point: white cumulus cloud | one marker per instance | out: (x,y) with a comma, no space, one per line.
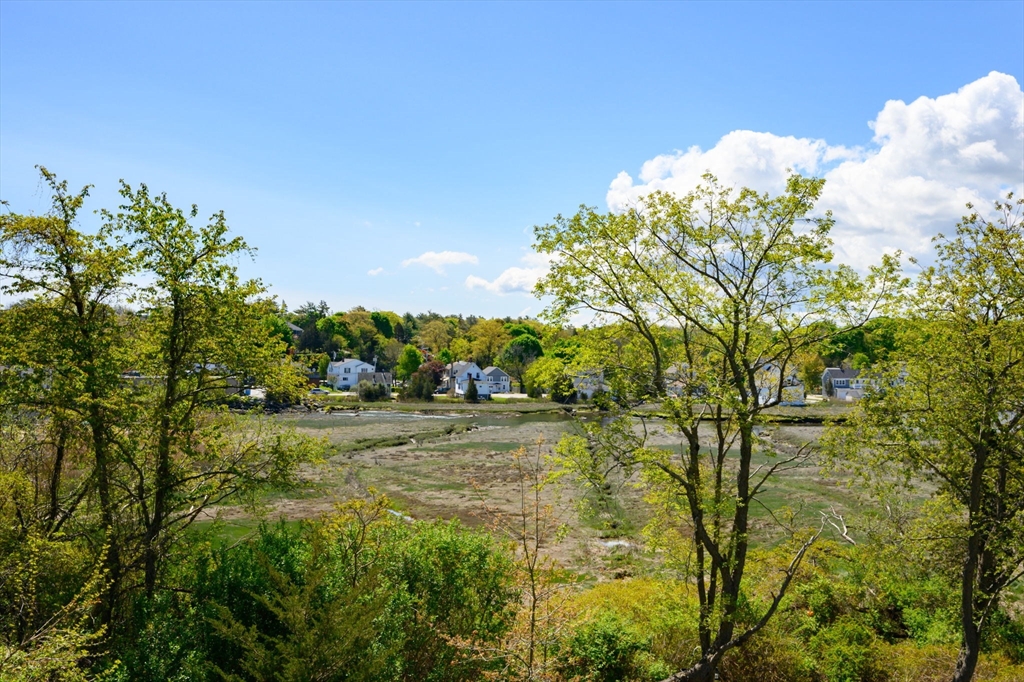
(925,160)
(437,261)
(514,279)
(374,272)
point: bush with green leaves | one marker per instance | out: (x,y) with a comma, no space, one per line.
(610,648)
(563,391)
(370,392)
(359,596)
(848,651)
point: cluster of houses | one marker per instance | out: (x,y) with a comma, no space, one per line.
(836,382)
(346,374)
(488,381)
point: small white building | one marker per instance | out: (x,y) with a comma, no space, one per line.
(344,375)
(457,376)
(498,381)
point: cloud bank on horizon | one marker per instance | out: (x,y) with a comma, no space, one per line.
(926,160)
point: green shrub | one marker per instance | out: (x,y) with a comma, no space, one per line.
(848,651)
(472,394)
(421,386)
(609,648)
(370,392)
(601,400)
(340,601)
(563,391)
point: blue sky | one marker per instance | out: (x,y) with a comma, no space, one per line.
(344,138)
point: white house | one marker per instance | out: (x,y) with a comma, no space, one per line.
(499,381)
(772,386)
(588,382)
(457,376)
(344,375)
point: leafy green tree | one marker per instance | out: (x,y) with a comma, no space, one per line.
(461,349)
(203,334)
(408,362)
(437,334)
(121,406)
(563,390)
(279,328)
(309,313)
(322,639)
(66,346)
(518,354)
(382,323)
(544,372)
(521,329)
(712,285)
(810,367)
(950,407)
(421,386)
(360,596)
(488,337)
(472,394)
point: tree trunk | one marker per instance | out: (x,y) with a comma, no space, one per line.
(967,661)
(112,562)
(702,671)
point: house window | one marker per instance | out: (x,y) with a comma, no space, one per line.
(348,370)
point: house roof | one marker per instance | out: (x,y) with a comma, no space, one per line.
(348,361)
(493,371)
(840,373)
(295,328)
(458,367)
(376,377)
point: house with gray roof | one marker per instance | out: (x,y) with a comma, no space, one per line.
(457,375)
(499,381)
(843,384)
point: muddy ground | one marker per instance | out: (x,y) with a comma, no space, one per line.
(470,475)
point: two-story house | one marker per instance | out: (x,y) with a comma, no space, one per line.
(456,377)
(499,381)
(344,375)
(842,384)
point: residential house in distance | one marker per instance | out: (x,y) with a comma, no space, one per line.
(589,382)
(457,375)
(772,386)
(296,331)
(344,375)
(376,378)
(499,381)
(842,384)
